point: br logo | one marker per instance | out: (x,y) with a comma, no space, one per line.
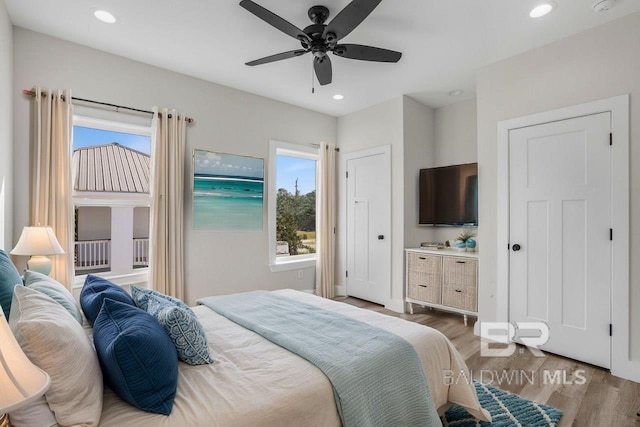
(531,334)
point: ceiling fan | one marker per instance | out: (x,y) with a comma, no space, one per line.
(320,38)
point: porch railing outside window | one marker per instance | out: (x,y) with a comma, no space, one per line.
(140,253)
(92,255)
(95,255)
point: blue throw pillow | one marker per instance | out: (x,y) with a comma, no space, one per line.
(141,297)
(183,328)
(54,289)
(9,278)
(137,357)
(94,292)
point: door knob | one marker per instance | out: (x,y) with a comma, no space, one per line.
(516,247)
(380,237)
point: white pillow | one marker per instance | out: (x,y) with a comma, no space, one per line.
(55,342)
(55,290)
(37,414)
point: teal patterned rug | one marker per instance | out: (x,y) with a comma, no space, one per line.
(506,409)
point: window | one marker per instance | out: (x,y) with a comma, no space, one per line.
(292,206)
(111,177)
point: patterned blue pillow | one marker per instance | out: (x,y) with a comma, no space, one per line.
(137,358)
(9,278)
(183,328)
(94,292)
(141,298)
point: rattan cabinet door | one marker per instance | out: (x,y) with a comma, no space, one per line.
(460,283)
(424,273)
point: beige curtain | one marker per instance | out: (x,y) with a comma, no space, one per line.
(166,252)
(326,221)
(51,202)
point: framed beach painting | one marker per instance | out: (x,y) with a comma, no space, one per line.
(227,191)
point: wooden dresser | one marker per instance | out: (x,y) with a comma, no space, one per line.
(444,279)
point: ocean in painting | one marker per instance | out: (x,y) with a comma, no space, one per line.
(227,202)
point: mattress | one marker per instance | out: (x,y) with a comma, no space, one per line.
(254,382)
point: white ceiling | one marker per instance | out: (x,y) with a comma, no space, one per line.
(443,42)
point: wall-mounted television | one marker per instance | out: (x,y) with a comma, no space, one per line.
(449,195)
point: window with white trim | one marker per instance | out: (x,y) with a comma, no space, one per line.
(292,205)
(111,182)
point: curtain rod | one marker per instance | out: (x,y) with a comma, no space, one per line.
(105,104)
(326,147)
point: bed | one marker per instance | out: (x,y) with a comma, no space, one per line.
(253,382)
(257,383)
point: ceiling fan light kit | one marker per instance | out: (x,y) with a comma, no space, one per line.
(319,38)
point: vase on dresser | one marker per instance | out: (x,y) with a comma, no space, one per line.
(470,244)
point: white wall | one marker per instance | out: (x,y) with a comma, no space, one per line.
(456,142)
(456,133)
(375,126)
(6,130)
(419,153)
(227,120)
(599,63)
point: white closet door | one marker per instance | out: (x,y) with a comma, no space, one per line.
(560,219)
(368,227)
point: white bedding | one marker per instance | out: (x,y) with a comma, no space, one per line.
(257,383)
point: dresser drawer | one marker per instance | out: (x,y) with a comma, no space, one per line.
(424,277)
(460,283)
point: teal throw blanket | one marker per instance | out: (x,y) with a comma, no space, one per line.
(377,376)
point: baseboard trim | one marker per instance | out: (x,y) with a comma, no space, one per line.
(396,305)
(340,290)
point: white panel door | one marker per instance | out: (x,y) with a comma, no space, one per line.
(560,219)
(368,227)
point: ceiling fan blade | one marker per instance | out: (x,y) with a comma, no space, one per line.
(277,57)
(366,53)
(323,69)
(274,20)
(350,17)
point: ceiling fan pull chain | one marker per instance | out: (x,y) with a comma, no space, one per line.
(313,81)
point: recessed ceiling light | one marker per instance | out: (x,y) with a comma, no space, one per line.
(456,92)
(105,16)
(542,9)
(338,97)
(602,5)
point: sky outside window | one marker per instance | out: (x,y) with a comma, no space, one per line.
(87,137)
(290,168)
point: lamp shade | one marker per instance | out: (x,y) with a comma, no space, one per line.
(37,241)
(21,381)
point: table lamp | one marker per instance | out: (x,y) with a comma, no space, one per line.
(21,382)
(38,242)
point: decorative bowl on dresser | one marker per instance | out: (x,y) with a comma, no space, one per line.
(444,279)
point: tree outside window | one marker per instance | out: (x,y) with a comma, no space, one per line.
(295,206)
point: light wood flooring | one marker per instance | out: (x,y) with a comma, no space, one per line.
(602,400)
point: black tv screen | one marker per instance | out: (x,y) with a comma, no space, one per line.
(449,195)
